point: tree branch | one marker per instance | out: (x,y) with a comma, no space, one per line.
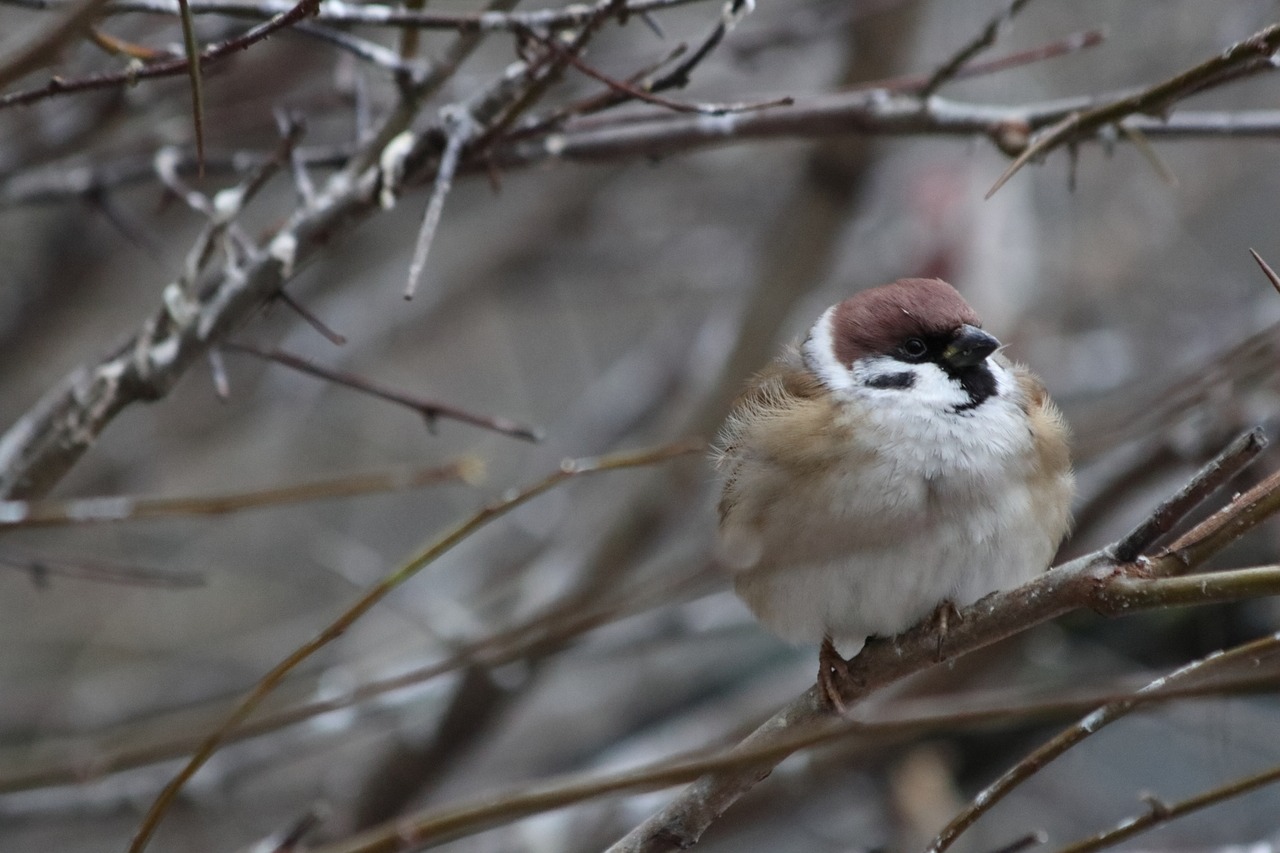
(1095,581)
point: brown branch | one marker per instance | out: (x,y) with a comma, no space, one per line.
(1250,55)
(1161,813)
(40,567)
(1095,581)
(984,39)
(163,68)
(117,508)
(630,91)
(568,469)
(41,50)
(1097,720)
(565,621)
(374,14)
(429,409)
(443,824)
(1239,454)
(47,441)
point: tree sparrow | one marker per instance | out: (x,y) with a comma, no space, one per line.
(893,464)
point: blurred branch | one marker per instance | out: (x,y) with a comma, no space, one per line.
(429,409)
(1095,581)
(43,49)
(568,469)
(564,622)
(442,824)
(41,567)
(984,39)
(374,14)
(115,508)
(1253,652)
(1252,55)
(164,67)
(1160,813)
(873,112)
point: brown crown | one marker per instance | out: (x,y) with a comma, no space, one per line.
(875,321)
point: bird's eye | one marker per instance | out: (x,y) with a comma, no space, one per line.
(913,348)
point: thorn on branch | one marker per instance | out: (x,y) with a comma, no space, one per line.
(1267,270)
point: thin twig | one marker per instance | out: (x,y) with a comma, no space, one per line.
(1040,758)
(163,68)
(427,408)
(983,40)
(568,469)
(628,90)
(308,317)
(40,50)
(40,567)
(117,508)
(460,128)
(1161,813)
(375,14)
(363,49)
(192,47)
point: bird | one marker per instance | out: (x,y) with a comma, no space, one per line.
(893,465)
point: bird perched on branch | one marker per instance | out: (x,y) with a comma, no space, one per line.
(893,464)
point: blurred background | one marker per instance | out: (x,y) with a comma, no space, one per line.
(614,306)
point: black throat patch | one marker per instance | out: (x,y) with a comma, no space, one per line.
(977,381)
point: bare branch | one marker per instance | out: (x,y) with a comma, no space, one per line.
(1091,724)
(1089,581)
(1240,453)
(568,469)
(116,508)
(983,40)
(373,14)
(162,68)
(460,128)
(1161,813)
(1250,55)
(429,409)
(40,50)
(40,567)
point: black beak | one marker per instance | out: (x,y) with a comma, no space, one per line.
(969,347)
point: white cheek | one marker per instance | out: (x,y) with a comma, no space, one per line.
(819,356)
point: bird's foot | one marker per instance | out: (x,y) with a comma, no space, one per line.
(831,670)
(941,620)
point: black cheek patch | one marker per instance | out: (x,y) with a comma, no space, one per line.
(899,381)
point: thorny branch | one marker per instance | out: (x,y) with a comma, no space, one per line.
(1250,56)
